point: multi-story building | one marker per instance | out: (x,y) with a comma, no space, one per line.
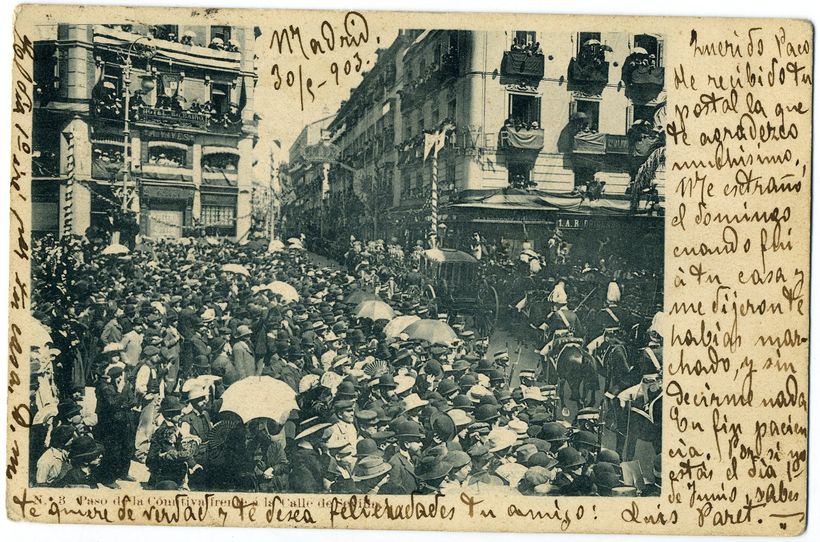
(544,123)
(159,116)
(549,131)
(306,180)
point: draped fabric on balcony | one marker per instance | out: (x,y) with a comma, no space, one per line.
(645,75)
(590,143)
(538,200)
(107,171)
(522,64)
(525,139)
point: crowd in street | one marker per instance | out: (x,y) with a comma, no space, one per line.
(167,356)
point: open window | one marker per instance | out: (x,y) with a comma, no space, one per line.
(221,98)
(519,174)
(584,37)
(524,111)
(221,32)
(523,39)
(169,32)
(652,45)
(588,111)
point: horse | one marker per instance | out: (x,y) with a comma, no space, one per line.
(570,365)
(612,361)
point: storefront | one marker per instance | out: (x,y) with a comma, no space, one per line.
(165,211)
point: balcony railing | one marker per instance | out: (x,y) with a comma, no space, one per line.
(590,73)
(598,143)
(522,139)
(165,116)
(643,82)
(522,64)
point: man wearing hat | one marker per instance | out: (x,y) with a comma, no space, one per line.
(195,420)
(243,357)
(609,317)
(370,474)
(84,454)
(53,465)
(344,416)
(114,429)
(403,471)
(166,459)
(562,319)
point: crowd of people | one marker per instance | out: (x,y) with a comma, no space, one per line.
(138,349)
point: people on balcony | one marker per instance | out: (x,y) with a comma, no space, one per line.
(518,123)
(592,54)
(639,58)
(531,48)
(108,103)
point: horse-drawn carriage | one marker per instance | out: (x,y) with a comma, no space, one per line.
(449,281)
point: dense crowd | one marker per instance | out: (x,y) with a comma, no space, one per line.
(143,354)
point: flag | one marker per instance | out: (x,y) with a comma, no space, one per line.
(429,143)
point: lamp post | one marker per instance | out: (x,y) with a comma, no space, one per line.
(126,132)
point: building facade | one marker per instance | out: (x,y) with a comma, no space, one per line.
(156,120)
(548,131)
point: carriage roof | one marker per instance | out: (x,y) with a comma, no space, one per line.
(448,255)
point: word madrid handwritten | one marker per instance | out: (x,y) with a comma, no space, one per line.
(296,51)
(734,386)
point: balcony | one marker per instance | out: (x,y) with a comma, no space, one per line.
(643,82)
(170,117)
(521,139)
(590,73)
(522,65)
(200,54)
(597,143)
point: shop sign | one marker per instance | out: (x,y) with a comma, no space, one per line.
(167,135)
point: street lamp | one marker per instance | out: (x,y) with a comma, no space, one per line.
(147,85)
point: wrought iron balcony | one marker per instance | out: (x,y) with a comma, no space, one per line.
(521,139)
(522,64)
(592,73)
(597,143)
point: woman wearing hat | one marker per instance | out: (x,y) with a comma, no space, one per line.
(308,460)
(167,460)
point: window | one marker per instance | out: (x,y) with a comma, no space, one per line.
(451,108)
(525,110)
(642,112)
(584,37)
(584,176)
(437,54)
(524,37)
(453,36)
(221,32)
(221,97)
(519,174)
(590,109)
(168,32)
(652,44)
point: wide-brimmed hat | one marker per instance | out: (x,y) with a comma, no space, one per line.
(404,383)
(413,401)
(501,438)
(569,458)
(310,426)
(85,447)
(170,405)
(370,467)
(431,467)
(553,432)
(541,459)
(486,413)
(460,417)
(408,430)
(243,331)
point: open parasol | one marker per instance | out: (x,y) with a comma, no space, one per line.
(283,289)
(432,331)
(358,296)
(374,310)
(259,397)
(276,245)
(639,51)
(115,250)
(236,268)
(397,325)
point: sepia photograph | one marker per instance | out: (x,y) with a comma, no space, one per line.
(451,280)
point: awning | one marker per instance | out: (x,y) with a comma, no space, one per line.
(214,149)
(151,191)
(167,145)
(150,171)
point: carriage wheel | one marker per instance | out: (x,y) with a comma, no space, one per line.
(488,307)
